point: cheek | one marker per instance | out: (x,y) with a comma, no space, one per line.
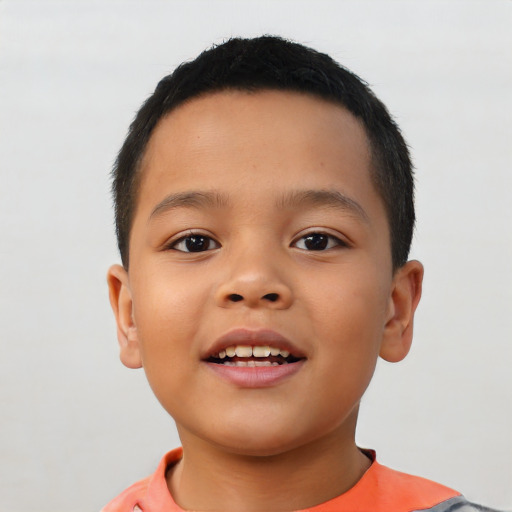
(167,313)
(167,296)
(350,313)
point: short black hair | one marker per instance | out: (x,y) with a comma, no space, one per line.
(273,63)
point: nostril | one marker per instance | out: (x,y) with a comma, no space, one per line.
(272,297)
(234,297)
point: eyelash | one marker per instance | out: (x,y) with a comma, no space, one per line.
(330,241)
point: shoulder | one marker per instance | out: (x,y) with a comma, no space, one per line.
(458,504)
(382,489)
(151,493)
(423,494)
(433,496)
(129,499)
(396,491)
(392,482)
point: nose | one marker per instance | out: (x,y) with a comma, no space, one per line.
(254,282)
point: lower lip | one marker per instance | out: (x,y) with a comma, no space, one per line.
(256,377)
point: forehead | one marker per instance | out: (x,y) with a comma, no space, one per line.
(220,134)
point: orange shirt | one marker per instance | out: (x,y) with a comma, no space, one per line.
(381,489)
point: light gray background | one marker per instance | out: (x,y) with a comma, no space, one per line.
(77,427)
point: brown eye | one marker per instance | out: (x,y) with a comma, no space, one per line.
(318,242)
(195,243)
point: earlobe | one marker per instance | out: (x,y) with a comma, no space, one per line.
(121,301)
(405,296)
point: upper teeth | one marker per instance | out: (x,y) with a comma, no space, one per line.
(248,351)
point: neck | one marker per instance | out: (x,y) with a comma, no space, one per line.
(209,478)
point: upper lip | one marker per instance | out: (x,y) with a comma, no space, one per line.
(254,338)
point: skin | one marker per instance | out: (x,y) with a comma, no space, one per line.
(291,445)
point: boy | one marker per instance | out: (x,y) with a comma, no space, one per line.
(264,210)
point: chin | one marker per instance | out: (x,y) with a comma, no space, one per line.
(260,442)
(260,450)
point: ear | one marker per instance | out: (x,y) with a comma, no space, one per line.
(405,296)
(122,305)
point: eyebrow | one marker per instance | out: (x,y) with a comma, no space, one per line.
(324,198)
(293,199)
(191,199)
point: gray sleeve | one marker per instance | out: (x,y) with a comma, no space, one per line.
(457,504)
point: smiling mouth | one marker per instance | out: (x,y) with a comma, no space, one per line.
(253,356)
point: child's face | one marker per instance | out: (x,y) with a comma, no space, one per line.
(271,192)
